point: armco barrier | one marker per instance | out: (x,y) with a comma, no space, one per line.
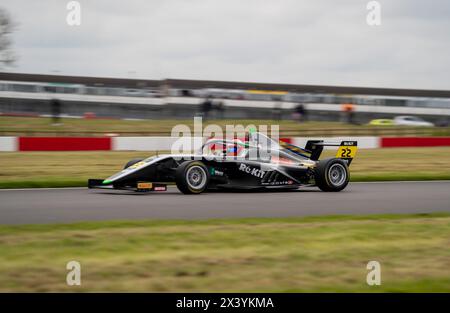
(153,143)
(158,143)
(8,144)
(64,143)
(414,142)
(165,143)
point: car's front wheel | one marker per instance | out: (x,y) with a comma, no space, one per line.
(192,177)
(332,174)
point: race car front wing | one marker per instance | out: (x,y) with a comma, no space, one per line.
(140,186)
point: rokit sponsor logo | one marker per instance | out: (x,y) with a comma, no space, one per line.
(276,183)
(252,170)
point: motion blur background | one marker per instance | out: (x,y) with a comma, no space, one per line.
(130,71)
(161,59)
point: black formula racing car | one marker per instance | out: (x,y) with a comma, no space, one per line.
(257,162)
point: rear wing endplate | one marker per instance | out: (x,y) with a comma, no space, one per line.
(347,149)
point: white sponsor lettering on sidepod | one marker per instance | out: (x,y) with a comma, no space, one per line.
(251,170)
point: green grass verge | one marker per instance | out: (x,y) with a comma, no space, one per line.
(61,182)
(399,177)
(57,183)
(254,255)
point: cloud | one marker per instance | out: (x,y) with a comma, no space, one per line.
(285,41)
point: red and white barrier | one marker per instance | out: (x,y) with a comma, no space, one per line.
(415,142)
(64,143)
(8,144)
(165,143)
(153,143)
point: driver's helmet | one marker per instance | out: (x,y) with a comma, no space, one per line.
(226,149)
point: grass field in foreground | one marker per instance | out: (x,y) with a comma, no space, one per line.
(260,255)
(60,169)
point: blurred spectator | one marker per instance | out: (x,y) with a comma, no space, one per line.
(56,111)
(300,113)
(348,109)
(186,93)
(206,107)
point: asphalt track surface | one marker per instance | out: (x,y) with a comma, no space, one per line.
(65,205)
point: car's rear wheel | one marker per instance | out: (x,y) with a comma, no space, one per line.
(132,162)
(332,174)
(192,177)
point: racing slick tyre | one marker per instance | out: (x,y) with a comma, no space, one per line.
(132,162)
(332,174)
(192,177)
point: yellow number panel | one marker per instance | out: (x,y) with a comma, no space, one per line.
(346,152)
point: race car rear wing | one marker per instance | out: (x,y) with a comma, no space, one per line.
(347,149)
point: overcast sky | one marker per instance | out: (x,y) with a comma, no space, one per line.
(280,41)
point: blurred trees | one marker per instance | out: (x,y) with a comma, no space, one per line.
(7,56)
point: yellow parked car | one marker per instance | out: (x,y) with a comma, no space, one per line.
(382,122)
